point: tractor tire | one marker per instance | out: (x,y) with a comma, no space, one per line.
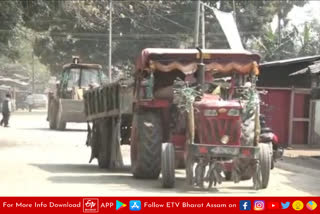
(61,125)
(103,136)
(168,165)
(146,145)
(52,116)
(265,164)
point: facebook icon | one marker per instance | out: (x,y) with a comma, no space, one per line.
(135,205)
(245,205)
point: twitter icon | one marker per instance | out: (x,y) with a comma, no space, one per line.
(285,205)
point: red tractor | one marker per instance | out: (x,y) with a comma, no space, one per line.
(189,108)
(203,108)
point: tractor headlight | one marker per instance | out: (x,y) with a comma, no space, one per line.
(210,112)
(225,139)
(234,112)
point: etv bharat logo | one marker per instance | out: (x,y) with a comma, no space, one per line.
(90,205)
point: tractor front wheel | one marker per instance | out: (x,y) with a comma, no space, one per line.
(61,125)
(168,165)
(52,115)
(146,144)
(264,167)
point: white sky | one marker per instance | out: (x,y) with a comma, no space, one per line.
(299,15)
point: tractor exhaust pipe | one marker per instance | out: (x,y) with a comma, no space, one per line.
(200,73)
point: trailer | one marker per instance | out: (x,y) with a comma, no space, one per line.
(109,108)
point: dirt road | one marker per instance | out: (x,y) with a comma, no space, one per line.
(36,161)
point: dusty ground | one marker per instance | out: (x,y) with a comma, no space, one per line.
(36,161)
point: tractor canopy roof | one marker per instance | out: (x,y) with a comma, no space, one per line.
(185,60)
(82,65)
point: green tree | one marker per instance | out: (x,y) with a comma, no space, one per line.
(292,43)
(269,47)
(309,39)
(66,28)
(10,16)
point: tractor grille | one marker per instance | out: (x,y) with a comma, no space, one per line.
(214,128)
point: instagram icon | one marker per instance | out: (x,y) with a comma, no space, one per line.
(259,205)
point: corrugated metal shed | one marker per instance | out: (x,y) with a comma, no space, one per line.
(289,101)
(311,69)
(290,61)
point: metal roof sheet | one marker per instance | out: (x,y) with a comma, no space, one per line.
(290,61)
(312,69)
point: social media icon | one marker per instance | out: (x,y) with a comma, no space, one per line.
(245,205)
(285,205)
(119,205)
(259,205)
(311,205)
(273,205)
(297,205)
(135,205)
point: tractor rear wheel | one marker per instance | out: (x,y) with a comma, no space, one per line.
(146,145)
(265,164)
(168,165)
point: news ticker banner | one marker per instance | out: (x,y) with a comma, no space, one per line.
(162,205)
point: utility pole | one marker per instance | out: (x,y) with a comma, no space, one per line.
(203,35)
(196,25)
(110,41)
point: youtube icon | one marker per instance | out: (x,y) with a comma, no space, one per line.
(273,205)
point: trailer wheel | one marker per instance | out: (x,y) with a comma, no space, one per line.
(265,166)
(52,116)
(168,165)
(61,125)
(103,136)
(146,145)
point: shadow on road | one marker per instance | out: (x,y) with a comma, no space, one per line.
(48,129)
(303,161)
(122,178)
(294,167)
(77,168)
(32,113)
(117,181)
